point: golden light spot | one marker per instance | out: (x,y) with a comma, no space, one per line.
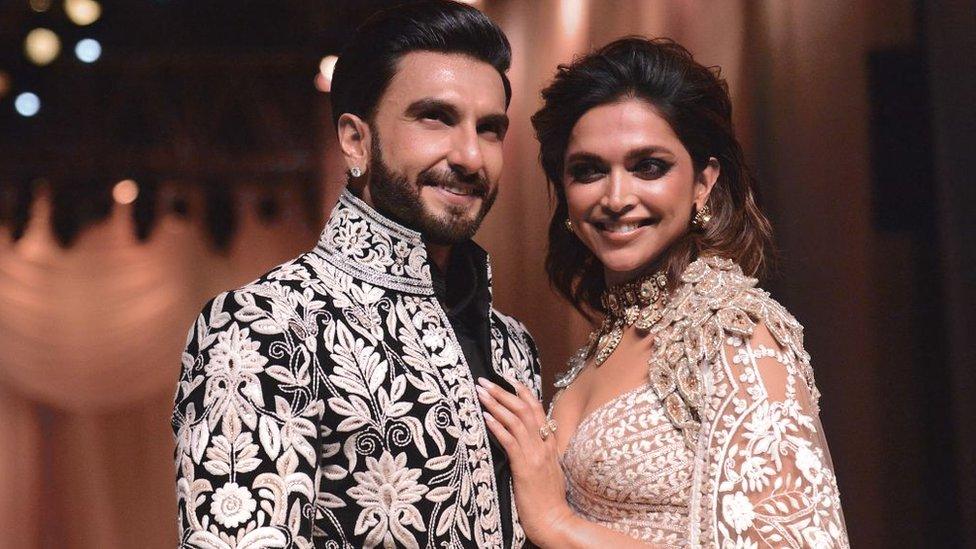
(125,191)
(42,46)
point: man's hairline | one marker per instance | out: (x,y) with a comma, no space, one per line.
(370,118)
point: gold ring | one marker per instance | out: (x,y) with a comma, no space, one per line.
(544,432)
(551,424)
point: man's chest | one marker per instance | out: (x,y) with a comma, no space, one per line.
(402,428)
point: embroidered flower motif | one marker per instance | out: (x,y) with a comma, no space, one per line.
(232,375)
(755,473)
(809,464)
(435,337)
(352,237)
(387,492)
(738,511)
(760,422)
(232,505)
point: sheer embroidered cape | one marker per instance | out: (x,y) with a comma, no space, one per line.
(328,404)
(722,446)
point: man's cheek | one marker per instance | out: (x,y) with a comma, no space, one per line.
(494,164)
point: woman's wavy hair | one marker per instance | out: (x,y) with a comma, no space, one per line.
(694,100)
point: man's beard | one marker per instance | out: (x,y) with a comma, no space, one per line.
(395,196)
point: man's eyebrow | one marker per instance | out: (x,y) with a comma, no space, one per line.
(427,104)
(499,121)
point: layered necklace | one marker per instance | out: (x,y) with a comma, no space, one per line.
(637,303)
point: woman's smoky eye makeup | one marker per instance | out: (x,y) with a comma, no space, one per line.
(586,171)
(651,168)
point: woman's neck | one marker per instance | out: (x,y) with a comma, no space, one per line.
(616,278)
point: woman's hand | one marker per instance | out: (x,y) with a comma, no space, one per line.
(540,491)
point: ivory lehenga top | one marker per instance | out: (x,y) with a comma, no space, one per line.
(722,447)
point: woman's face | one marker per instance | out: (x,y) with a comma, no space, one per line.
(630,186)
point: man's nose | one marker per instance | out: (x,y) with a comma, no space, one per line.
(465,156)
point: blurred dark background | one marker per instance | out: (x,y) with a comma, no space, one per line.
(189,149)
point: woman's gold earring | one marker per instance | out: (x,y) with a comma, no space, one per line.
(355,171)
(701,218)
(569,225)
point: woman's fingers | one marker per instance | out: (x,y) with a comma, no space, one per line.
(513,404)
(538,413)
(508,442)
(533,403)
(498,408)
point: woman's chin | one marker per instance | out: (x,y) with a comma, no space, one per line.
(618,271)
(625,263)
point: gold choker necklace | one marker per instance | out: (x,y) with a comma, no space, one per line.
(638,303)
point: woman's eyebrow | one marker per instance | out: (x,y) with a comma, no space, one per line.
(583,155)
(647,151)
(632,155)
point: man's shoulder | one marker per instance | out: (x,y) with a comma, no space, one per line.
(294,274)
(274,290)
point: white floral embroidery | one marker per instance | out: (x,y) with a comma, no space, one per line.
(756,473)
(387,492)
(809,464)
(232,505)
(737,510)
(353,236)
(232,383)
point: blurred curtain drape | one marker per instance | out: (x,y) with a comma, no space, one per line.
(90,338)
(90,343)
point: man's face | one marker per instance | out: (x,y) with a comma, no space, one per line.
(436,153)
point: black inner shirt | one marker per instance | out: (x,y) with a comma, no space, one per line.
(466,298)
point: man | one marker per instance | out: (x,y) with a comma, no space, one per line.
(331,403)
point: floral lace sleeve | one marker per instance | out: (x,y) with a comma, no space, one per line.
(774,481)
(245,424)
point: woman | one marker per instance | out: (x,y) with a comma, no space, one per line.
(690,417)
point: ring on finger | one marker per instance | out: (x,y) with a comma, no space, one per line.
(544,432)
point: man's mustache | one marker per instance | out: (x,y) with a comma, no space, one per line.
(439,179)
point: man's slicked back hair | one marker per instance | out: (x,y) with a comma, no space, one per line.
(369,62)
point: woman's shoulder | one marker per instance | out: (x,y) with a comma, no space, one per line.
(714,306)
(715,297)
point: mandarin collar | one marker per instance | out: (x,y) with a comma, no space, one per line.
(365,244)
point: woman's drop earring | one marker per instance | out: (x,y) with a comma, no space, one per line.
(569,226)
(355,171)
(701,218)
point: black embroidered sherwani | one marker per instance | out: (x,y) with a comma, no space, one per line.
(329,404)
